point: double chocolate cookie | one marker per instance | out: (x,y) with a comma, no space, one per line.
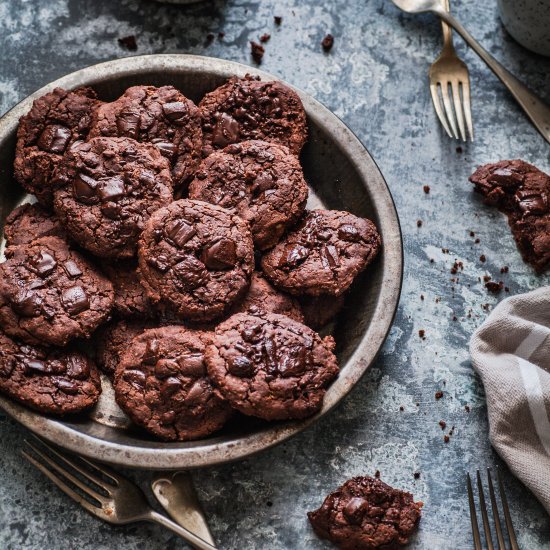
(270,366)
(263,296)
(130,296)
(367,514)
(55,122)
(161,116)
(107,189)
(246,108)
(162,384)
(261,182)
(51,294)
(196,258)
(320,310)
(522,192)
(324,254)
(29,222)
(50,381)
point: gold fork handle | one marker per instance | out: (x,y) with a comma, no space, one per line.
(533,106)
(191,538)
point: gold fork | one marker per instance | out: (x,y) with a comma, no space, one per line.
(448,70)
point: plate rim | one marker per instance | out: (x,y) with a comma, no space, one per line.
(164,456)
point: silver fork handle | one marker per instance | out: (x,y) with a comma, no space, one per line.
(191,538)
(447,33)
(535,109)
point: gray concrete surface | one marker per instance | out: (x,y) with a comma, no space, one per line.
(375,79)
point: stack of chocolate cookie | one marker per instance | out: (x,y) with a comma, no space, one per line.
(175,237)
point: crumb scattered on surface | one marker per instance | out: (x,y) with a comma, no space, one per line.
(422,296)
(221,34)
(327,42)
(443,424)
(278,19)
(401,408)
(422,333)
(377,474)
(438,394)
(459,149)
(446,438)
(418,223)
(257,51)
(265,37)
(482,258)
(494,287)
(504,269)
(477,241)
(467,408)
(416,475)
(210,38)
(426,189)
(128,42)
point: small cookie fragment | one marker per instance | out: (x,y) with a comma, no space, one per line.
(55,122)
(29,222)
(161,116)
(366,514)
(324,254)
(270,366)
(246,108)
(113,339)
(162,384)
(262,296)
(107,190)
(260,181)
(130,295)
(51,294)
(196,259)
(522,192)
(50,381)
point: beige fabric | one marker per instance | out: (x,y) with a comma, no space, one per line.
(511,353)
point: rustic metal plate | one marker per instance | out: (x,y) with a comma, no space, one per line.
(341,174)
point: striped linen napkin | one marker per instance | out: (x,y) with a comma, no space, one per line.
(511,353)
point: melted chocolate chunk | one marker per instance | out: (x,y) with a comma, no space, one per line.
(220,255)
(54,139)
(75,300)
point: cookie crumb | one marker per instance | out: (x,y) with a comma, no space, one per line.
(265,37)
(477,241)
(418,223)
(209,38)
(422,297)
(128,42)
(416,475)
(377,474)
(221,35)
(278,19)
(494,287)
(327,42)
(482,258)
(443,424)
(438,395)
(401,408)
(459,149)
(426,189)
(467,408)
(422,333)
(257,51)
(269,503)
(446,438)
(504,269)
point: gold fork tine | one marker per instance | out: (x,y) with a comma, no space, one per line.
(496,517)
(507,517)
(455,88)
(62,485)
(67,475)
(448,108)
(473,516)
(467,108)
(437,106)
(484,516)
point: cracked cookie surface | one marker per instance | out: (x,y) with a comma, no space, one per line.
(323,254)
(161,116)
(163,385)
(196,258)
(108,189)
(247,108)
(50,381)
(270,366)
(51,294)
(261,182)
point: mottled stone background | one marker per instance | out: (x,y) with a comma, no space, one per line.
(375,79)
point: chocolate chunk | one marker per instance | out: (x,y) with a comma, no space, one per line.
(327,42)
(54,138)
(84,188)
(240,366)
(112,188)
(72,269)
(191,273)
(179,232)
(27,303)
(175,111)
(75,300)
(128,123)
(43,264)
(226,131)
(220,255)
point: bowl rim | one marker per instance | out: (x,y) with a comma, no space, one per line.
(208,452)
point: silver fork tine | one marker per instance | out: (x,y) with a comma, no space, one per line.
(467,108)
(448,109)
(103,470)
(437,105)
(455,88)
(473,516)
(507,517)
(496,517)
(66,474)
(62,485)
(486,527)
(87,474)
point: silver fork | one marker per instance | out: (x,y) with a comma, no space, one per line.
(448,70)
(485,517)
(108,495)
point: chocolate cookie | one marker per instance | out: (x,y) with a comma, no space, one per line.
(324,254)
(366,514)
(522,192)
(51,294)
(196,258)
(261,182)
(270,366)
(319,311)
(108,188)
(29,222)
(113,339)
(50,381)
(161,116)
(55,122)
(162,384)
(246,108)
(262,296)
(130,296)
